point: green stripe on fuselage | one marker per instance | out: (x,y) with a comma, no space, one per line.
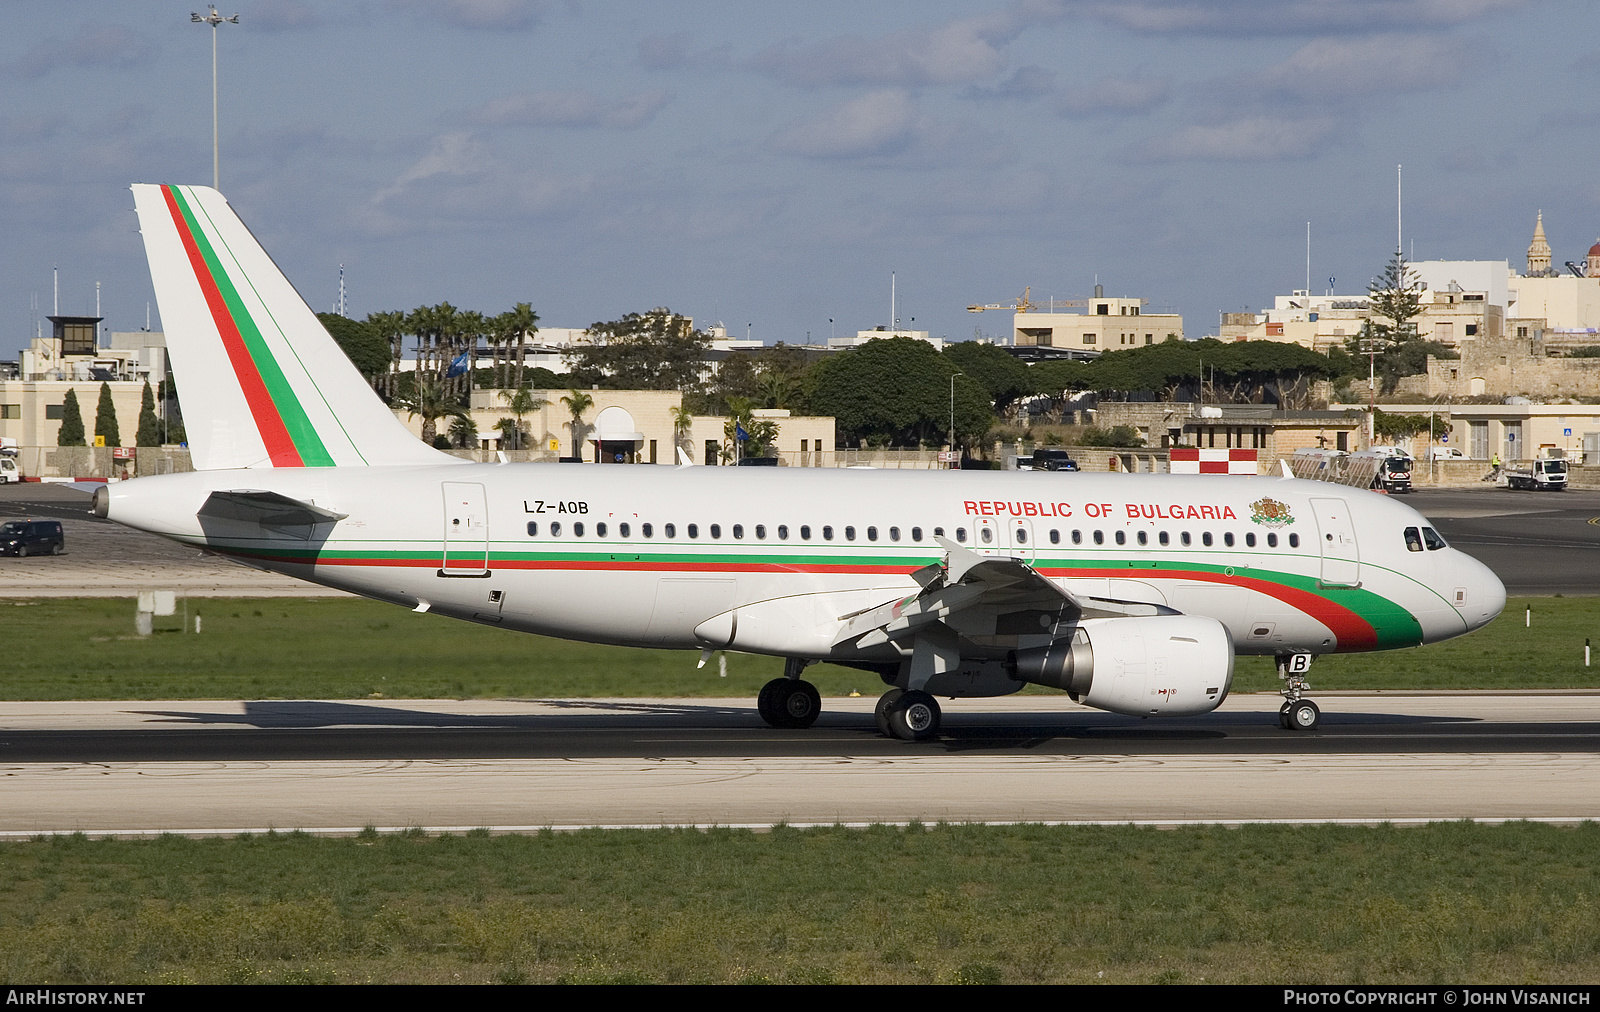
(1392,624)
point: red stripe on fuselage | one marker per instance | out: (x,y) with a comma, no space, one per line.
(274,435)
(1352,631)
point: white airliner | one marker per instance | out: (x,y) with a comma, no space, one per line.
(1132,593)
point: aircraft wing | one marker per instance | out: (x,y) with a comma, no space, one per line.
(983,594)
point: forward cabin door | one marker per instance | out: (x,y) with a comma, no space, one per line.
(1341,562)
(466,530)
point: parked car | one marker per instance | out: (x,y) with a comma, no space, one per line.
(1048,459)
(9,472)
(1446,453)
(32,537)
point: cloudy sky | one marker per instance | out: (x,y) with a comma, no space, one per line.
(770,165)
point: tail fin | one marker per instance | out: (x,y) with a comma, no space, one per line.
(263,385)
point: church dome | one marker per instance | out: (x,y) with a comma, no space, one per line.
(1594,250)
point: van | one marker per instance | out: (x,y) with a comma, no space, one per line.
(9,472)
(32,537)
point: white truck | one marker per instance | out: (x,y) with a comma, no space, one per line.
(9,471)
(1541,473)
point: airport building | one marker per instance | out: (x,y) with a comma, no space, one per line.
(1106,323)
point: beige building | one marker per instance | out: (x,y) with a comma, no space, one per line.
(1511,431)
(1106,324)
(625,426)
(31,410)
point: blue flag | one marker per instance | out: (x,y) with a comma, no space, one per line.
(458,365)
(739,433)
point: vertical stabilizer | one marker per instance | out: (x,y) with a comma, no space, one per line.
(262,384)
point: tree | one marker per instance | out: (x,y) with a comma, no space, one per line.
(1390,426)
(105,418)
(577,402)
(71,431)
(430,400)
(1006,379)
(522,403)
(513,328)
(658,350)
(1396,296)
(897,391)
(149,425)
(760,433)
(682,421)
(463,432)
(362,343)
(390,327)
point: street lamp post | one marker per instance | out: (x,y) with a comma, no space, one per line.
(214,19)
(953,408)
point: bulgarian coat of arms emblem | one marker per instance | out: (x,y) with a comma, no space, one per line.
(1270,513)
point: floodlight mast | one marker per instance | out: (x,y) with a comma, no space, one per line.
(214,19)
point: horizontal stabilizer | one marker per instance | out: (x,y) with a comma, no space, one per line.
(267,510)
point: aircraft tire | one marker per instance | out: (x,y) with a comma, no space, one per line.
(766,702)
(1304,715)
(880,713)
(914,716)
(1283,716)
(798,703)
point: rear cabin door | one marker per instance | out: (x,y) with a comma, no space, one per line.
(466,530)
(1341,562)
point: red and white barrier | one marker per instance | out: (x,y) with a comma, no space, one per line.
(1210,461)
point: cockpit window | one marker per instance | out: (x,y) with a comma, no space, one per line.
(1413,539)
(1433,540)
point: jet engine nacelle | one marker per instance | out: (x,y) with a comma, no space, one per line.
(1166,665)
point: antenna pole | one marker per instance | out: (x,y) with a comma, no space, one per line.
(1399,244)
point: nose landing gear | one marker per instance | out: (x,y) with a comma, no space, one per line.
(1297,712)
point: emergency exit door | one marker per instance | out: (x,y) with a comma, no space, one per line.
(1341,561)
(466,530)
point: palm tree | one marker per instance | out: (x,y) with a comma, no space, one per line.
(522,403)
(682,422)
(392,328)
(430,400)
(520,322)
(577,402)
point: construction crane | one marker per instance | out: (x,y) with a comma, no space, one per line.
(1023,305)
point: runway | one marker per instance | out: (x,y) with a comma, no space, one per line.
(203,768)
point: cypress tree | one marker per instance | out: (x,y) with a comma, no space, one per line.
(149,425)
(105,418)
(71,431)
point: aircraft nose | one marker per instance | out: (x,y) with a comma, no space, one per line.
(1482,595)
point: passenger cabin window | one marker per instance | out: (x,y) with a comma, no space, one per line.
(894,534)
(1272,541)
(738,531)
(986,534)
(533,528)
(599,530)
(1099,537)
(916,534)
(694,530)
(648,530)
(1227,539)
(1077,537)
(761,532)
(1294,541)
(716,531)
(555,528)
(577,529)
(1143,538)
(1205,539)
(1185,539)
(827,533)
(1162,537)
(1413,539)
(671,530)
(1122,537)
(872,534)
(623,528)
(1055,536)
(783,532)
(938,532)
(1022,535)
(849,533)
(1250,540)
(805,532)
(961,535)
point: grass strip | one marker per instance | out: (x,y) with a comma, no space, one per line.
(1448,902)
(344,649)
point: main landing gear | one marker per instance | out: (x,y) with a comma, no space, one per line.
(1297,712)
(790,701)
(909,716)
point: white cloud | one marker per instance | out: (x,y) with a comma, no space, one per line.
(1113,95)
(115,46)
(957,52)
(677,52)
(486,14)
(281,16)
(877,123)
(452,154)
(1252,17)
(1027,83)
(576,109)
(1381,63)
(1248,139)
